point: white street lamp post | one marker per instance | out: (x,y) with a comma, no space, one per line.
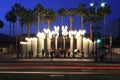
(41,37)
(72,35)
(64,33)
(23,49)
(48,36)
(34,46)
(82,33)
(55,34)
(78,37)
(28,43)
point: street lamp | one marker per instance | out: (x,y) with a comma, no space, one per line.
(41,37)
(64,34)
(103,4)
(95,4)
(82,33)
(34,46)
(55,34)
(23,48)
(48,36)
(89,46)
(72,35)
(28,46)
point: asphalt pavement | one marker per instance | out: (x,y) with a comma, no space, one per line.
(110,58)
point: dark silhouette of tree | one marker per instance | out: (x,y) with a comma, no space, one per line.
(48,16)
(71,12)
(38,10)
(1,24)
(62,13)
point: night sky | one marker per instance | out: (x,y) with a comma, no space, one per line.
(5,6)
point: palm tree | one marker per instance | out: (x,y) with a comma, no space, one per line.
(82,12)
(49,15)
(8,18)
(91,18)
(71,12)
(17,9)
(105,10)
(38,9)
(62,13)
(28,19)
(11,18)
(1,24)
(21,14)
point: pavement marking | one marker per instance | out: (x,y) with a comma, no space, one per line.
(56,75)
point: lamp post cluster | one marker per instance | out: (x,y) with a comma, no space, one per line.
(40,46)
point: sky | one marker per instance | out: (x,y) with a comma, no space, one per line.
(5,6)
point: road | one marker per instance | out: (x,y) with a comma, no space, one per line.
(57,66)
(55,70)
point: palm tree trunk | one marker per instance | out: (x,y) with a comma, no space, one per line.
(10,30)
(21,32)
(28,30)
(13,24)
(13,30)
(104,30)
(81,22)
(48,21)
(38,22)
(71,21)
(16,31)
(91,24)
(62,17)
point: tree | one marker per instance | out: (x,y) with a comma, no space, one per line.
(104,11)
(28,19)
(49,15)
(1,24)
(8,18)
(21,14)
(16,9)
(11,18)
(71,12)
(95,17)
(62,13)
(82,12)
(38,9)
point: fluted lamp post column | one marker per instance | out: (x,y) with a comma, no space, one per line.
(55,34)
(64,34)
(41,37)
(82,33)
(72,35)
(48,36)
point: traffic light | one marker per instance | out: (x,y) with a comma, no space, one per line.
(98,40)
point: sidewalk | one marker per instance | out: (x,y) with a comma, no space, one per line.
(12,57)
(112,57)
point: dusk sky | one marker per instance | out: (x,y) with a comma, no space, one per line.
(5,6)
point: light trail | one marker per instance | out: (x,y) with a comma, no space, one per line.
(53,73)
